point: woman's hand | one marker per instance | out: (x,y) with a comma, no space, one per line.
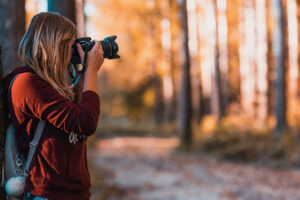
(95,56)
(94,62)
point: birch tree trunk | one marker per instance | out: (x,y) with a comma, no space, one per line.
(280,54)
(185,91)
(261,61)
(206,39)
(247,57)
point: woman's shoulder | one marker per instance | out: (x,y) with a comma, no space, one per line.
(31,86)
(30,90)
(27,77)
(21,76)
(28,80)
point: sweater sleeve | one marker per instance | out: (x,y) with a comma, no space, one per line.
(37,98)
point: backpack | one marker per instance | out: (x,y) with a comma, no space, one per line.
(16,166)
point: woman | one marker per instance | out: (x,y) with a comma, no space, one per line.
(41,91)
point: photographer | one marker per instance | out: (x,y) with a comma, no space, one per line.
(42,91)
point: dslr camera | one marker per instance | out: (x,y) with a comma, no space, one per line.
(109,46)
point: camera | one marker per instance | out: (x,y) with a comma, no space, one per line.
(109,46)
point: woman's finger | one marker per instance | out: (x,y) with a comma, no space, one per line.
(97,45)
(80,51)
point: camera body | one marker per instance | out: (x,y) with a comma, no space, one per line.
(109,46)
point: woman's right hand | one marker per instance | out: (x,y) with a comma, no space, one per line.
(95,57)
(94,61)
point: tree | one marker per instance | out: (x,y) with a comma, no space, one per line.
(65,8)
(216,99)
(201,102)
(12,28)
(280,54)
(175,30)
(194,48)
(298,20)
(270,60)
(185,90)
(248,60)
(233,51)
(156,60)
(80,18)
(261,84)
(166,44)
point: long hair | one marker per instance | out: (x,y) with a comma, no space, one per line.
(46,47)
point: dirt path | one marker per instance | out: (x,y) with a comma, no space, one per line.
(147,169)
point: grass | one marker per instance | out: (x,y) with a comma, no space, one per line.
(247,143)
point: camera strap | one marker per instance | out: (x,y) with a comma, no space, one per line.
(77,75)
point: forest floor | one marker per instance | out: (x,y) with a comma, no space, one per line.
(149,169)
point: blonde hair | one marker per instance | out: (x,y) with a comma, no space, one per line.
(46,48)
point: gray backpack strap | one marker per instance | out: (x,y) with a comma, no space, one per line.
(14,136)
(33,145)
(34,142)
(12,81)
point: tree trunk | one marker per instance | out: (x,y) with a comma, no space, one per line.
(155,61)
(280,53)
(166,44)
(12,28)
(216,92)
(65,8)
(80,18)
(270,60)
(206,57)
(261,85)
(298,20)
(194,60)
(247,57)
(158,101)
(200,82)
(174,58)
(233,51)
(293,68)
(185,91)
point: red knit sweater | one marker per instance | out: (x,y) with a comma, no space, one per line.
(59,169)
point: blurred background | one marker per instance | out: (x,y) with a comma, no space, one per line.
(203,103)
